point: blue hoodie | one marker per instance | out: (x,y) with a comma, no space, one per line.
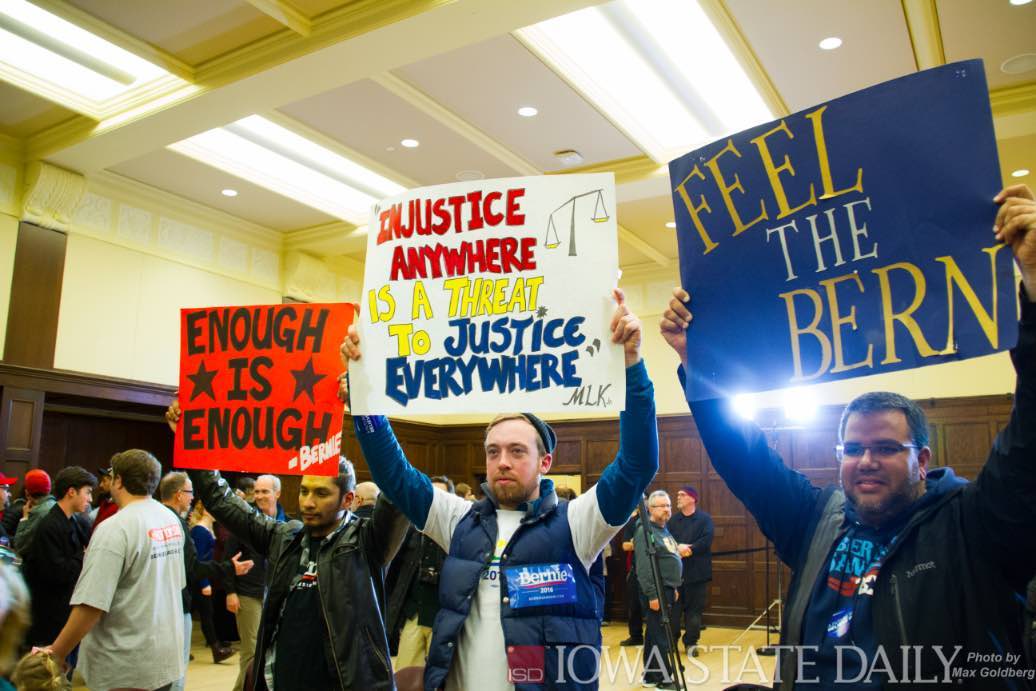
(839,614)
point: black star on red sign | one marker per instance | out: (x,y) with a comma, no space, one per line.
(202,380)
(305,379)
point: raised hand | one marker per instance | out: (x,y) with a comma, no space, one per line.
(625,328)
(675,321)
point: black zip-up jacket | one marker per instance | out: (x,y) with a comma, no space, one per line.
(418,553)
(351,583)
(957,572)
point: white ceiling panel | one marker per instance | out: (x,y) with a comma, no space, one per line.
(993,30)
(192,30)
(169,171)
(23,113)
(372,121)
(486,83)
(875,45)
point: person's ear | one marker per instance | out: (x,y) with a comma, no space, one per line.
(545,463)
(347,501)
(923,457)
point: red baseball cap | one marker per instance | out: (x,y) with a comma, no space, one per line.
(37,482)
(4,480)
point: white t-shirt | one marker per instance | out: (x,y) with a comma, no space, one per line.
(134,572)
(481,660)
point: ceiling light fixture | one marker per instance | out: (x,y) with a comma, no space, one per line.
(528,111)
(1019,64)
(1020,2)
(638,62)
(670,224)
(229,192)
(271,156)
(410,143)
(1020,173)
(51,57)
(830,43)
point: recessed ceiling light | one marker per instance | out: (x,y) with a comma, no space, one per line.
(1020,173)
(469,175)
(569,157)
(1020,2)
(229,192)
(670,224)
(830,43)
(410,143)
(527,111)
(1024,62)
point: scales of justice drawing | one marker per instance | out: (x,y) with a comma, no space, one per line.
(600,215)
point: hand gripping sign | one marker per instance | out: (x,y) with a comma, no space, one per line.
(259,388)
(490,296)
(848,239)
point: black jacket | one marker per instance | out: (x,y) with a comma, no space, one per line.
(418,554)
(198,570)
(51,568)
(695,530)
(351,584)
(957,573)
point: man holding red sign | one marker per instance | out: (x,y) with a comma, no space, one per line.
(321,626)
(260,394)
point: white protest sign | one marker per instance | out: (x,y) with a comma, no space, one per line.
(491,296)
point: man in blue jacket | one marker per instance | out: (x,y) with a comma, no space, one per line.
(500,626)
(899,554)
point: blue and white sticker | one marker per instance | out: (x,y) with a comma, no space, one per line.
(839,625)
(539,585)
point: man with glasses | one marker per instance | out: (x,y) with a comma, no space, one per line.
(899,553)
(657,671)
(177,492)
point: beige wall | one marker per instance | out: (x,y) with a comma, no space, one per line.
(120,309)
(8,240)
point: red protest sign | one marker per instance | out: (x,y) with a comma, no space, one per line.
(259,388)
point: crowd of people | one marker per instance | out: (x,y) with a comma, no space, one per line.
(507,590)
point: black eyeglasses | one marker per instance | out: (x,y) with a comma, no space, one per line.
(883,449)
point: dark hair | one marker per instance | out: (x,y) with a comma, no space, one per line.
(138,470)
(346,479)
(72,477)
(446,481)
(879,401)
(171,484)
(246,484)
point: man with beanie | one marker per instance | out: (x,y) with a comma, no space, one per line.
(693,531)
(501,625)
(657,671)
(38,503)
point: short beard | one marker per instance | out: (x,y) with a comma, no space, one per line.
(890,507)
(513,495)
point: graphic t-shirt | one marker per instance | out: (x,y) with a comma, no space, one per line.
(481,660)
(134,572)
(301,661)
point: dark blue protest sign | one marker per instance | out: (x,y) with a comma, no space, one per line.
(847,239)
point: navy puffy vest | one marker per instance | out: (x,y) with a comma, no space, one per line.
(543,537)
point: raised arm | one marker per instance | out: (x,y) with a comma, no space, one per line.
(781,500)
(1004,495)
(251,527)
